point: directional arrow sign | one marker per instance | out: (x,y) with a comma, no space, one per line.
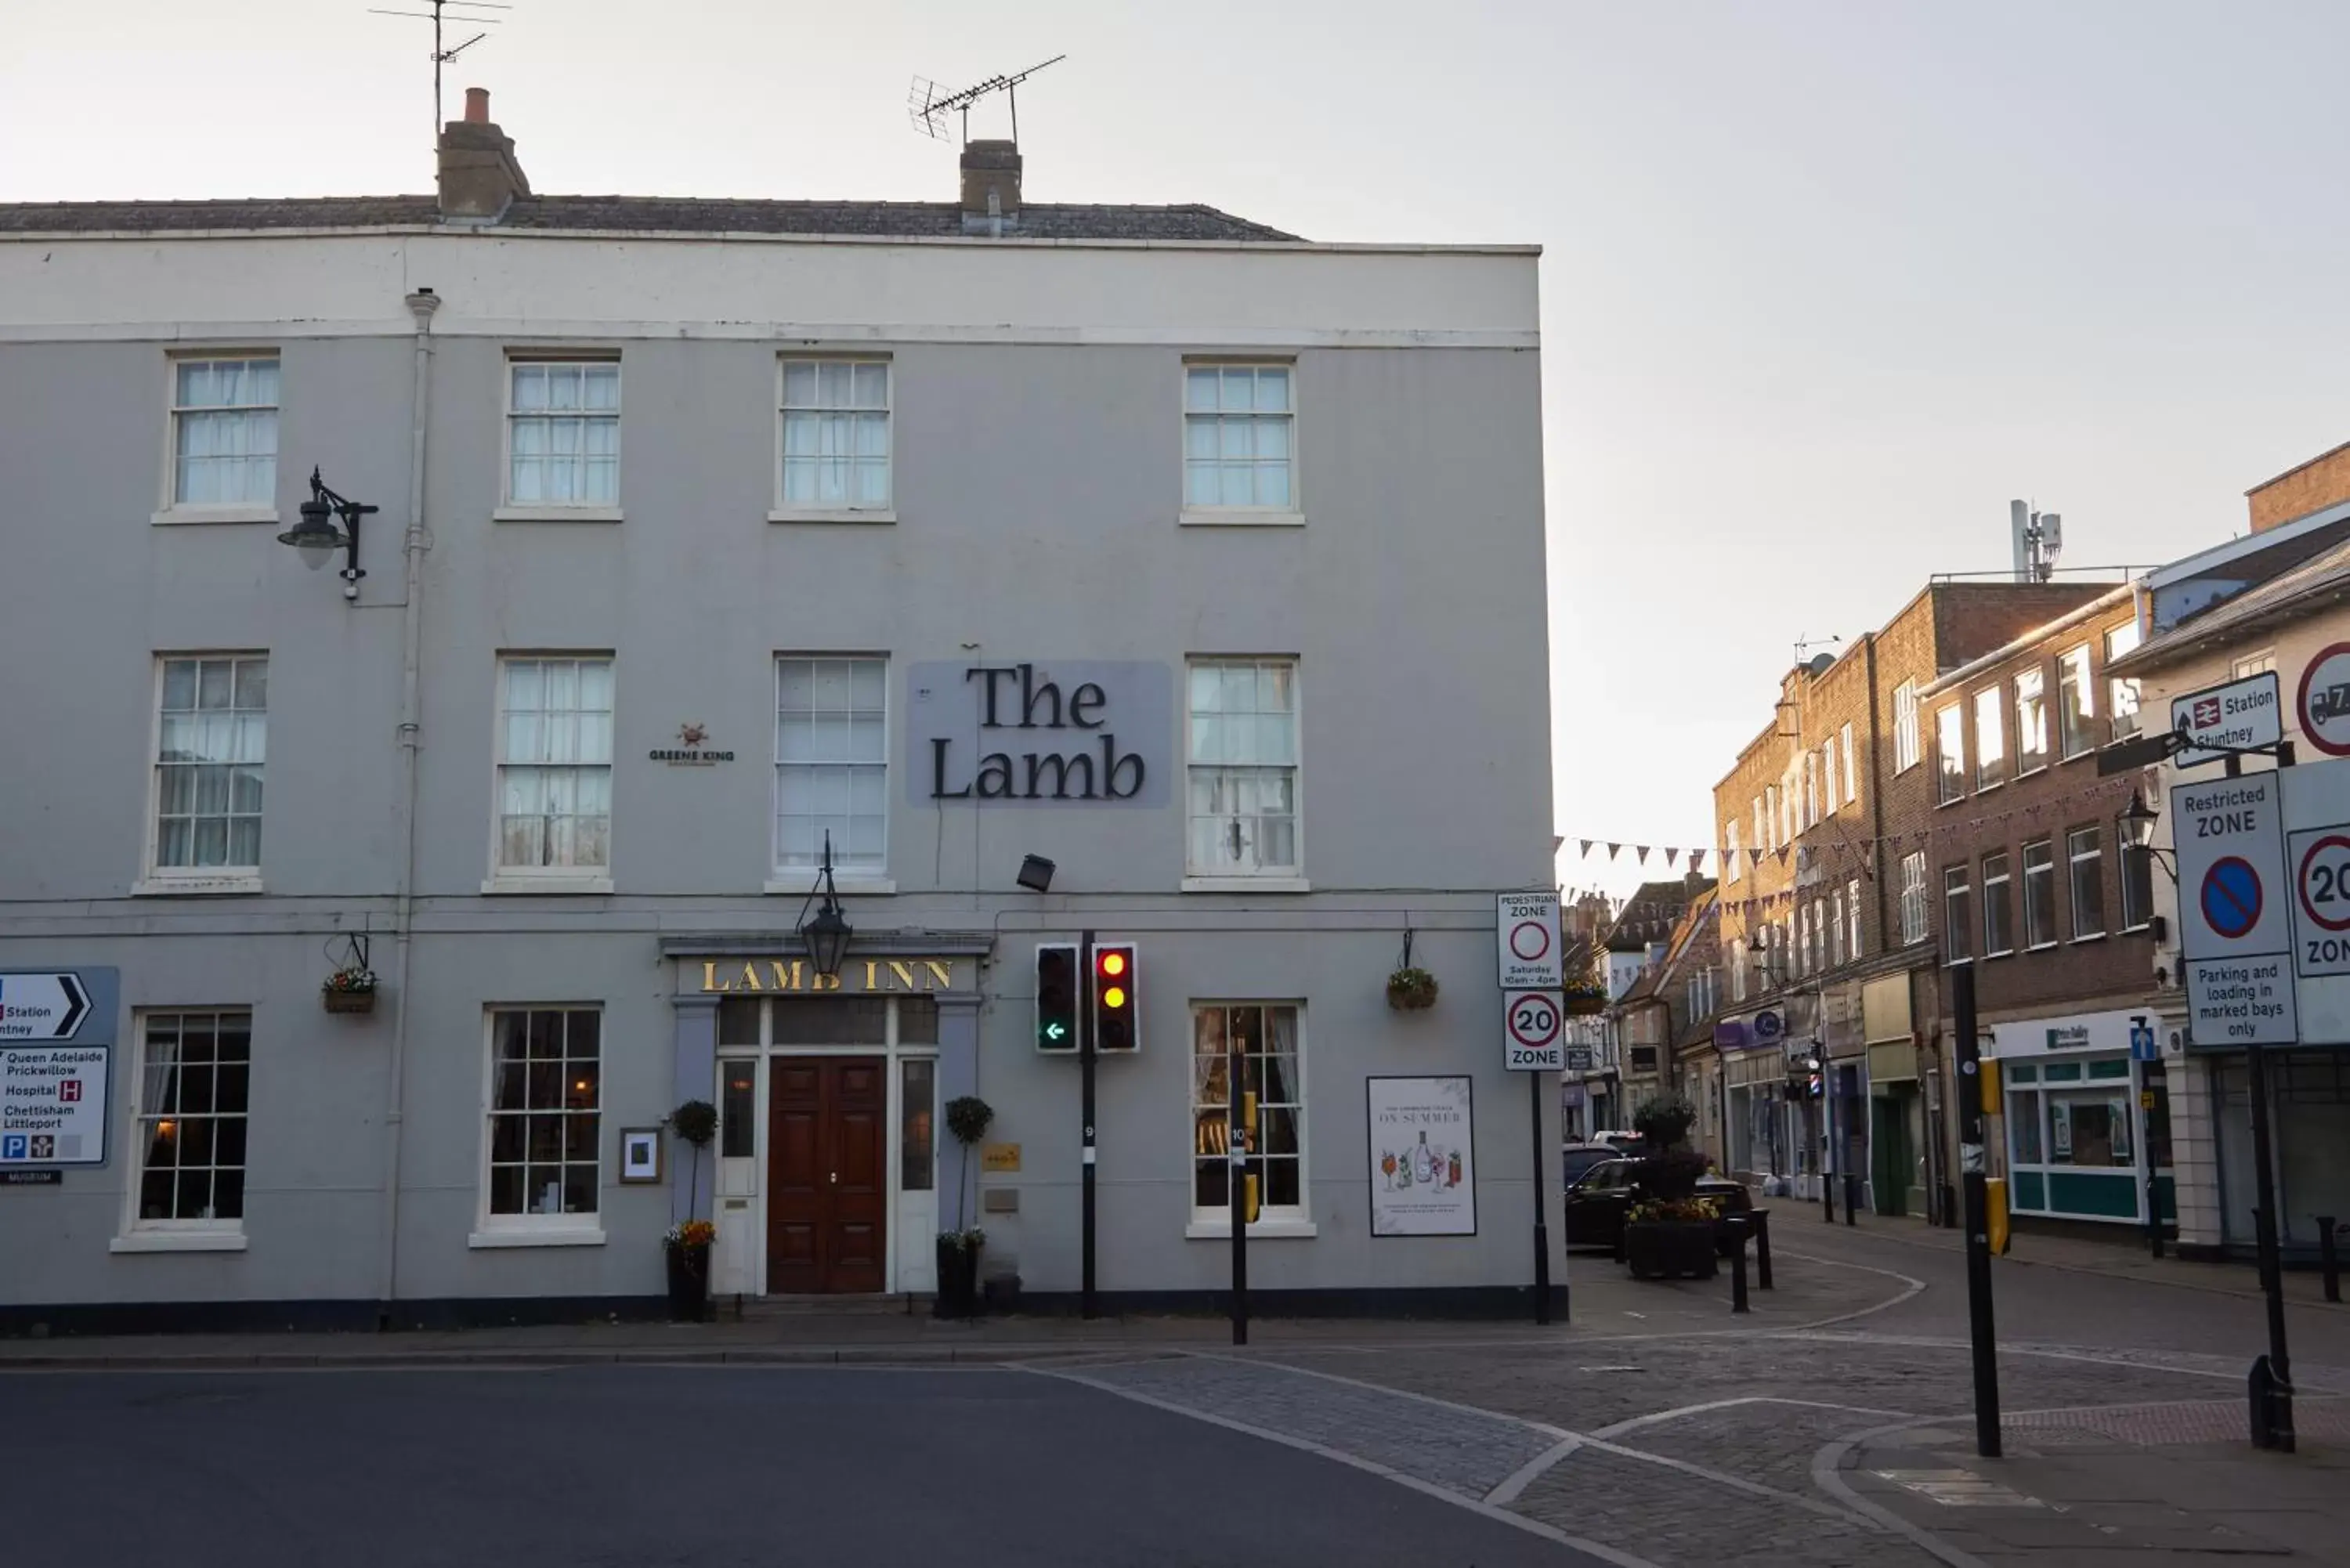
(1054,1033)
(42,1006)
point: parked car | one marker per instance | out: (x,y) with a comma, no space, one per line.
(1597,1200)
(1630,1145)
(1578,1157)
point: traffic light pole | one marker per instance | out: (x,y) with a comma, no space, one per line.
(1085,966)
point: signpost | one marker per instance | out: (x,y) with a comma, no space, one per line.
(1530,965)
(2220,720)
(57,1056)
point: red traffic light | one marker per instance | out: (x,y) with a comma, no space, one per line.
(1115,978)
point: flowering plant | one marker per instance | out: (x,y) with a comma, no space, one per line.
(1585,990)
(968,1240)
(692,1233)
(1410,989)
(1684,1209)
(351,977)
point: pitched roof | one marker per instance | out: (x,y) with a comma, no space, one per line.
(2321,579)
(641,215)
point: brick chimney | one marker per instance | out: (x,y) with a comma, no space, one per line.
(479,175)
(991,187)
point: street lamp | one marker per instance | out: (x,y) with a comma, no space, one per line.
(826,937)
(2136,822)
(316,537)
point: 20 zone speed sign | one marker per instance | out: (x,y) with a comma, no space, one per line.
(1531,1022)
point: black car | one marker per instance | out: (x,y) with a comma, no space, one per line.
(1596,1202)
(1578,1157)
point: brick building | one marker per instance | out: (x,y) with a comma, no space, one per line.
(1829,1050)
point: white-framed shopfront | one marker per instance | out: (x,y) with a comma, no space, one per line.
(2075,1121)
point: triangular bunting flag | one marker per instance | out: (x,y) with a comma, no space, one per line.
(1672,855)
(1587,847)
(1613,850)
(1642,850)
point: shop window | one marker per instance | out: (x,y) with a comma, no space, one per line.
(545,1096)
(2023,1126)
(1265,1038)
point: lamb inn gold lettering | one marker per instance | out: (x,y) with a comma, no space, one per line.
(770,976)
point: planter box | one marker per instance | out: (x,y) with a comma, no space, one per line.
(1583,1006)
(689,1283)
(1670,1249)
(349,1000)
(958,1294)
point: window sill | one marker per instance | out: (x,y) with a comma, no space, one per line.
(841,514)
(2134,930)
(800,884)
(2043,947)
(557,887)
(1246,884)
(224,885)
(2003,952)
(1959,799)
(486,1241)
(1982,789)
(2092,936)
(556,515)
(179,1241)
(1206,518)
(181,516)
(2077,756)
(2032,772)
(1262,1230)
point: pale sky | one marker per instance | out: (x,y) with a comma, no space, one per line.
(1825,281)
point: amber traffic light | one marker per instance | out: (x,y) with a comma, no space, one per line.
(1115,1022)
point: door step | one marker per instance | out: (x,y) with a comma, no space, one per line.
(757,1307)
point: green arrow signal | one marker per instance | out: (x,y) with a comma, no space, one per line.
(1054,1031)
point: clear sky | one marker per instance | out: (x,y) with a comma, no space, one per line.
(1826,282)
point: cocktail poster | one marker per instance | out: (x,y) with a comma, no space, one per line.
(1423,1157)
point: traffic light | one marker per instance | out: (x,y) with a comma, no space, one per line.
(1056,996)
(1116,1025)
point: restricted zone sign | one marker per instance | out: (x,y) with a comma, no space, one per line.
(1527,944)
(1531,1022)
(2235,932)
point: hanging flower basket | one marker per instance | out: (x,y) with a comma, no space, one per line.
(1411,989)
(350,989)
(1582,999)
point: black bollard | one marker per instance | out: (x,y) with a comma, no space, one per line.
(1851,1199)
(2328,1258)
(1738,1265)
(1760,1221)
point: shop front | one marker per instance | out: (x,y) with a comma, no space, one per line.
(2086,1126)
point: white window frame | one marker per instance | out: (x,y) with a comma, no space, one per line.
(1730,872)
(2028,758)
(2123,719)
(1850,792)
(1292,515)
(1905,727)
(137,1234)
(158,880)
(1284,1221)
(529,1229)
(1811,817)
(509,510)
(1949,783)
(2076,689)
(787,510)
(1990,749)
(2253,664)
(1223,878)
(1958,884)
(1853,943)
(170,509)
(1835,927)
(2046,872)
(788,878)
(2095,857)
(504,879)
(2005,882)
(1761,828)
(1913,898)
(1738,969)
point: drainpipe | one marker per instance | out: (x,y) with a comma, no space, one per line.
(420,305)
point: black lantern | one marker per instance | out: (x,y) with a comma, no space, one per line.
(2137,822)
(825,936)
(316,537)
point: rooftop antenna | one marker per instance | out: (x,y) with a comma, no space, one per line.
(928,104)
(1803,645)
(466,12)
(2038,537)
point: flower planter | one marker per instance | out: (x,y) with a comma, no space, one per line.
(689,1283)
(1583,1006)
(349,1000)
(958,1292)
(1670,1249)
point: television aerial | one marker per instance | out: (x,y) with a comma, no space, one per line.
(928,103)
(461,11)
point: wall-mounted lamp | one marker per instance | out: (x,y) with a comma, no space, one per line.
(827,935)
(2136,823)
(317,538)
(1035,874)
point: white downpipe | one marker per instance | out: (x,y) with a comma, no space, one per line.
(420,305)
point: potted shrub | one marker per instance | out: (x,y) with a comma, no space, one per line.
(1669,1231)
(688,1241)
(968,1118)
(1582,997)
(1410,989)
(350,989)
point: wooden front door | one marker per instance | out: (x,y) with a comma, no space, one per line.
(827,1175)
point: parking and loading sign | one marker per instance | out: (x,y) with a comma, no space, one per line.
(2236,930)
